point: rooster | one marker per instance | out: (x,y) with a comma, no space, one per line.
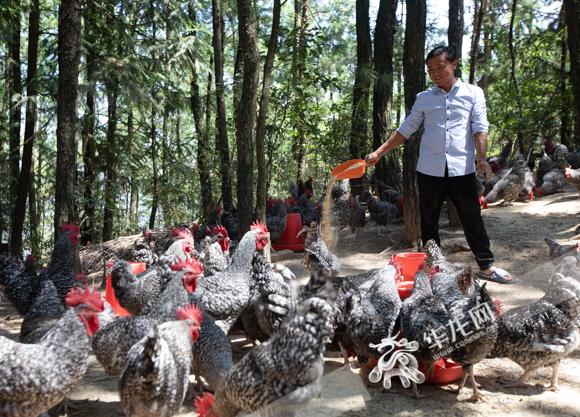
(215,251)
(284,372)
(35,377)
(156,375)
(542,333)
(226,294)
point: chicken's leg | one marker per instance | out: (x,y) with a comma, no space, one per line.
(476,393)
(345,356)
(554,380)
(520,381)
(462,383)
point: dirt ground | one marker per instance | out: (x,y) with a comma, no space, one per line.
(517,234)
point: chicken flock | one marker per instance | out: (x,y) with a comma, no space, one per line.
(194,292)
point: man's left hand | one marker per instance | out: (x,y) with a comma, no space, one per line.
(483,168)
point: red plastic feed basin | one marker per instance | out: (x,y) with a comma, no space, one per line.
(409,263)
(136,268)
(288,240)
(444,372)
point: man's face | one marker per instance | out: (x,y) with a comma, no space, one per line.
(441,70)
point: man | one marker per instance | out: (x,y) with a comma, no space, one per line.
(453,145)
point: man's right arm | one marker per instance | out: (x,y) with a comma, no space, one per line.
(409,126)
(394,140)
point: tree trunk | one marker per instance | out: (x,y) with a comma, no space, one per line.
(155,179)
(134,206)
(478,13)
(222,145)
(386,171)
(33,223)
(111,158)
(572,19)
(262,183)
(514,80)
(88,131)
(362,83)
(487,23)
(203,146)
(565,134)
(298,56)
(455,30)
(24,185)
(68,69)
(14,92)
(414,74)
(245,112)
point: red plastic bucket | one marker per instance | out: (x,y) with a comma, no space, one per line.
(288,240)
(409,263)
(405,288)
(136,268)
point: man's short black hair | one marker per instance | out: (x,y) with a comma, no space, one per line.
(450,52)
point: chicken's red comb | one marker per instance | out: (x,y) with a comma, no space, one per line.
(77,296)
(434,270)
(259,225)
(70,227)
(219,229)
(181,232)
(498,306)
(482,202)
(190,265)
(81,278)
(567,172)
(148,234)
(203,404)
(191,312)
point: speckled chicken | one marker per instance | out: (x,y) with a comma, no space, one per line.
(276,216)
(137,293)
(558,251)
(421,314)
(143,249)
(112,342)
(346,211)
(156,375)
(283,373)
(382,212)
(543,332)
(509,187)
(370,316)
(472,328)
(45,311)
(214,252)
(435,258)
(35,377)
(317,255)
(226,294)
(21,284)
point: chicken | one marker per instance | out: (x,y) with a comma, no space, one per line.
(143,249)
(226,294)
(499,162)
(156,375)
(111,344)
(137,293)
(317,255)
(46,309)
(573,158)
(272,282)
(435,258)
(557,251)
(21,283)
(421,314)
(573,177)
(284,372)
(276,215)
(472,328)
(347,212)
(543,332)
(544,166)
(509,187)
(370,315)
(214,252)
(35,377)
(553,182)
(382,212)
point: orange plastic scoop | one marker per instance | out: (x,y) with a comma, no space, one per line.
(355,168)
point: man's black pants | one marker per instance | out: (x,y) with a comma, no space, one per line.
(462,191)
